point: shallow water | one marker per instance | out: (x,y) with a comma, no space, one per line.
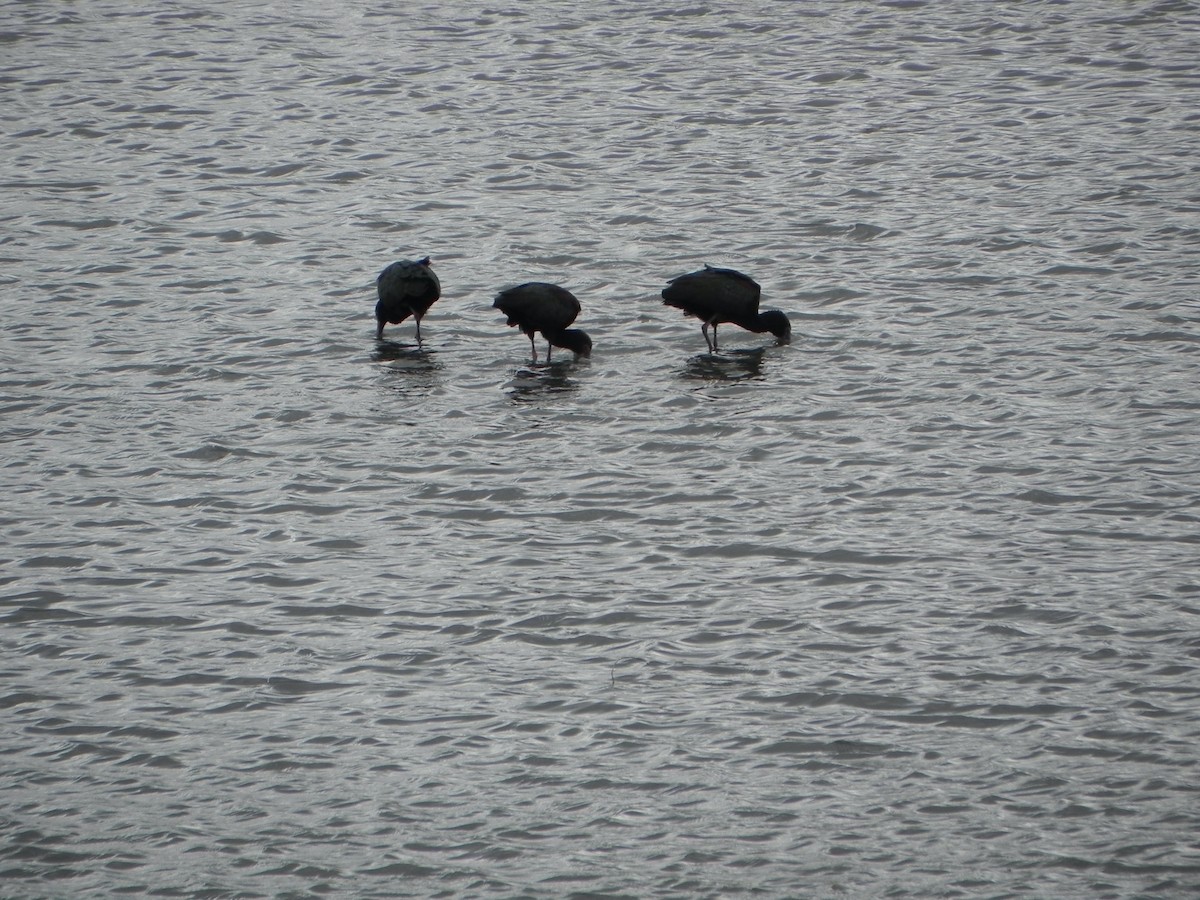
(906,608)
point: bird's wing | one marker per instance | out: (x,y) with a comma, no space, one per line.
(724,294)
(409,280)
(743,281)
(538,305)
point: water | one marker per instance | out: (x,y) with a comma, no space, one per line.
(907,608)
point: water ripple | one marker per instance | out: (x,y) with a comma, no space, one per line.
(291,612)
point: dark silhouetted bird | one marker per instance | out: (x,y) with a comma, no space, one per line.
(405,289)
(715,296)
(547,308)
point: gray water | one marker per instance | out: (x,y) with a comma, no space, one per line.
(906,608)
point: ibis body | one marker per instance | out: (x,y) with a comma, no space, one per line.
(536,306)
(715,296)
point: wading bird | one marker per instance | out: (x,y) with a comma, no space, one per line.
(405,289)
(547,308)
(715,296)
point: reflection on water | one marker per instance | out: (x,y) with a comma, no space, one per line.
(727,365)
(531,383)
(415,369)
(403,355)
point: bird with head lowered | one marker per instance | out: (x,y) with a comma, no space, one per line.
(405,288)
(536,306)
(715,296)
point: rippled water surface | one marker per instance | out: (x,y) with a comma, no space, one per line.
(906,608)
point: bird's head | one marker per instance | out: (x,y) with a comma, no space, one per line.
(778,324)
(576,341)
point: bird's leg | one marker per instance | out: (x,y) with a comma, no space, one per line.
(379,330)
(533,347)
(549,350)
(417,319)
(704,331)
(714,337)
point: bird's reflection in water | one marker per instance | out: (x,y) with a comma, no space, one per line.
(531,383)
(415,369)
(728,365)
